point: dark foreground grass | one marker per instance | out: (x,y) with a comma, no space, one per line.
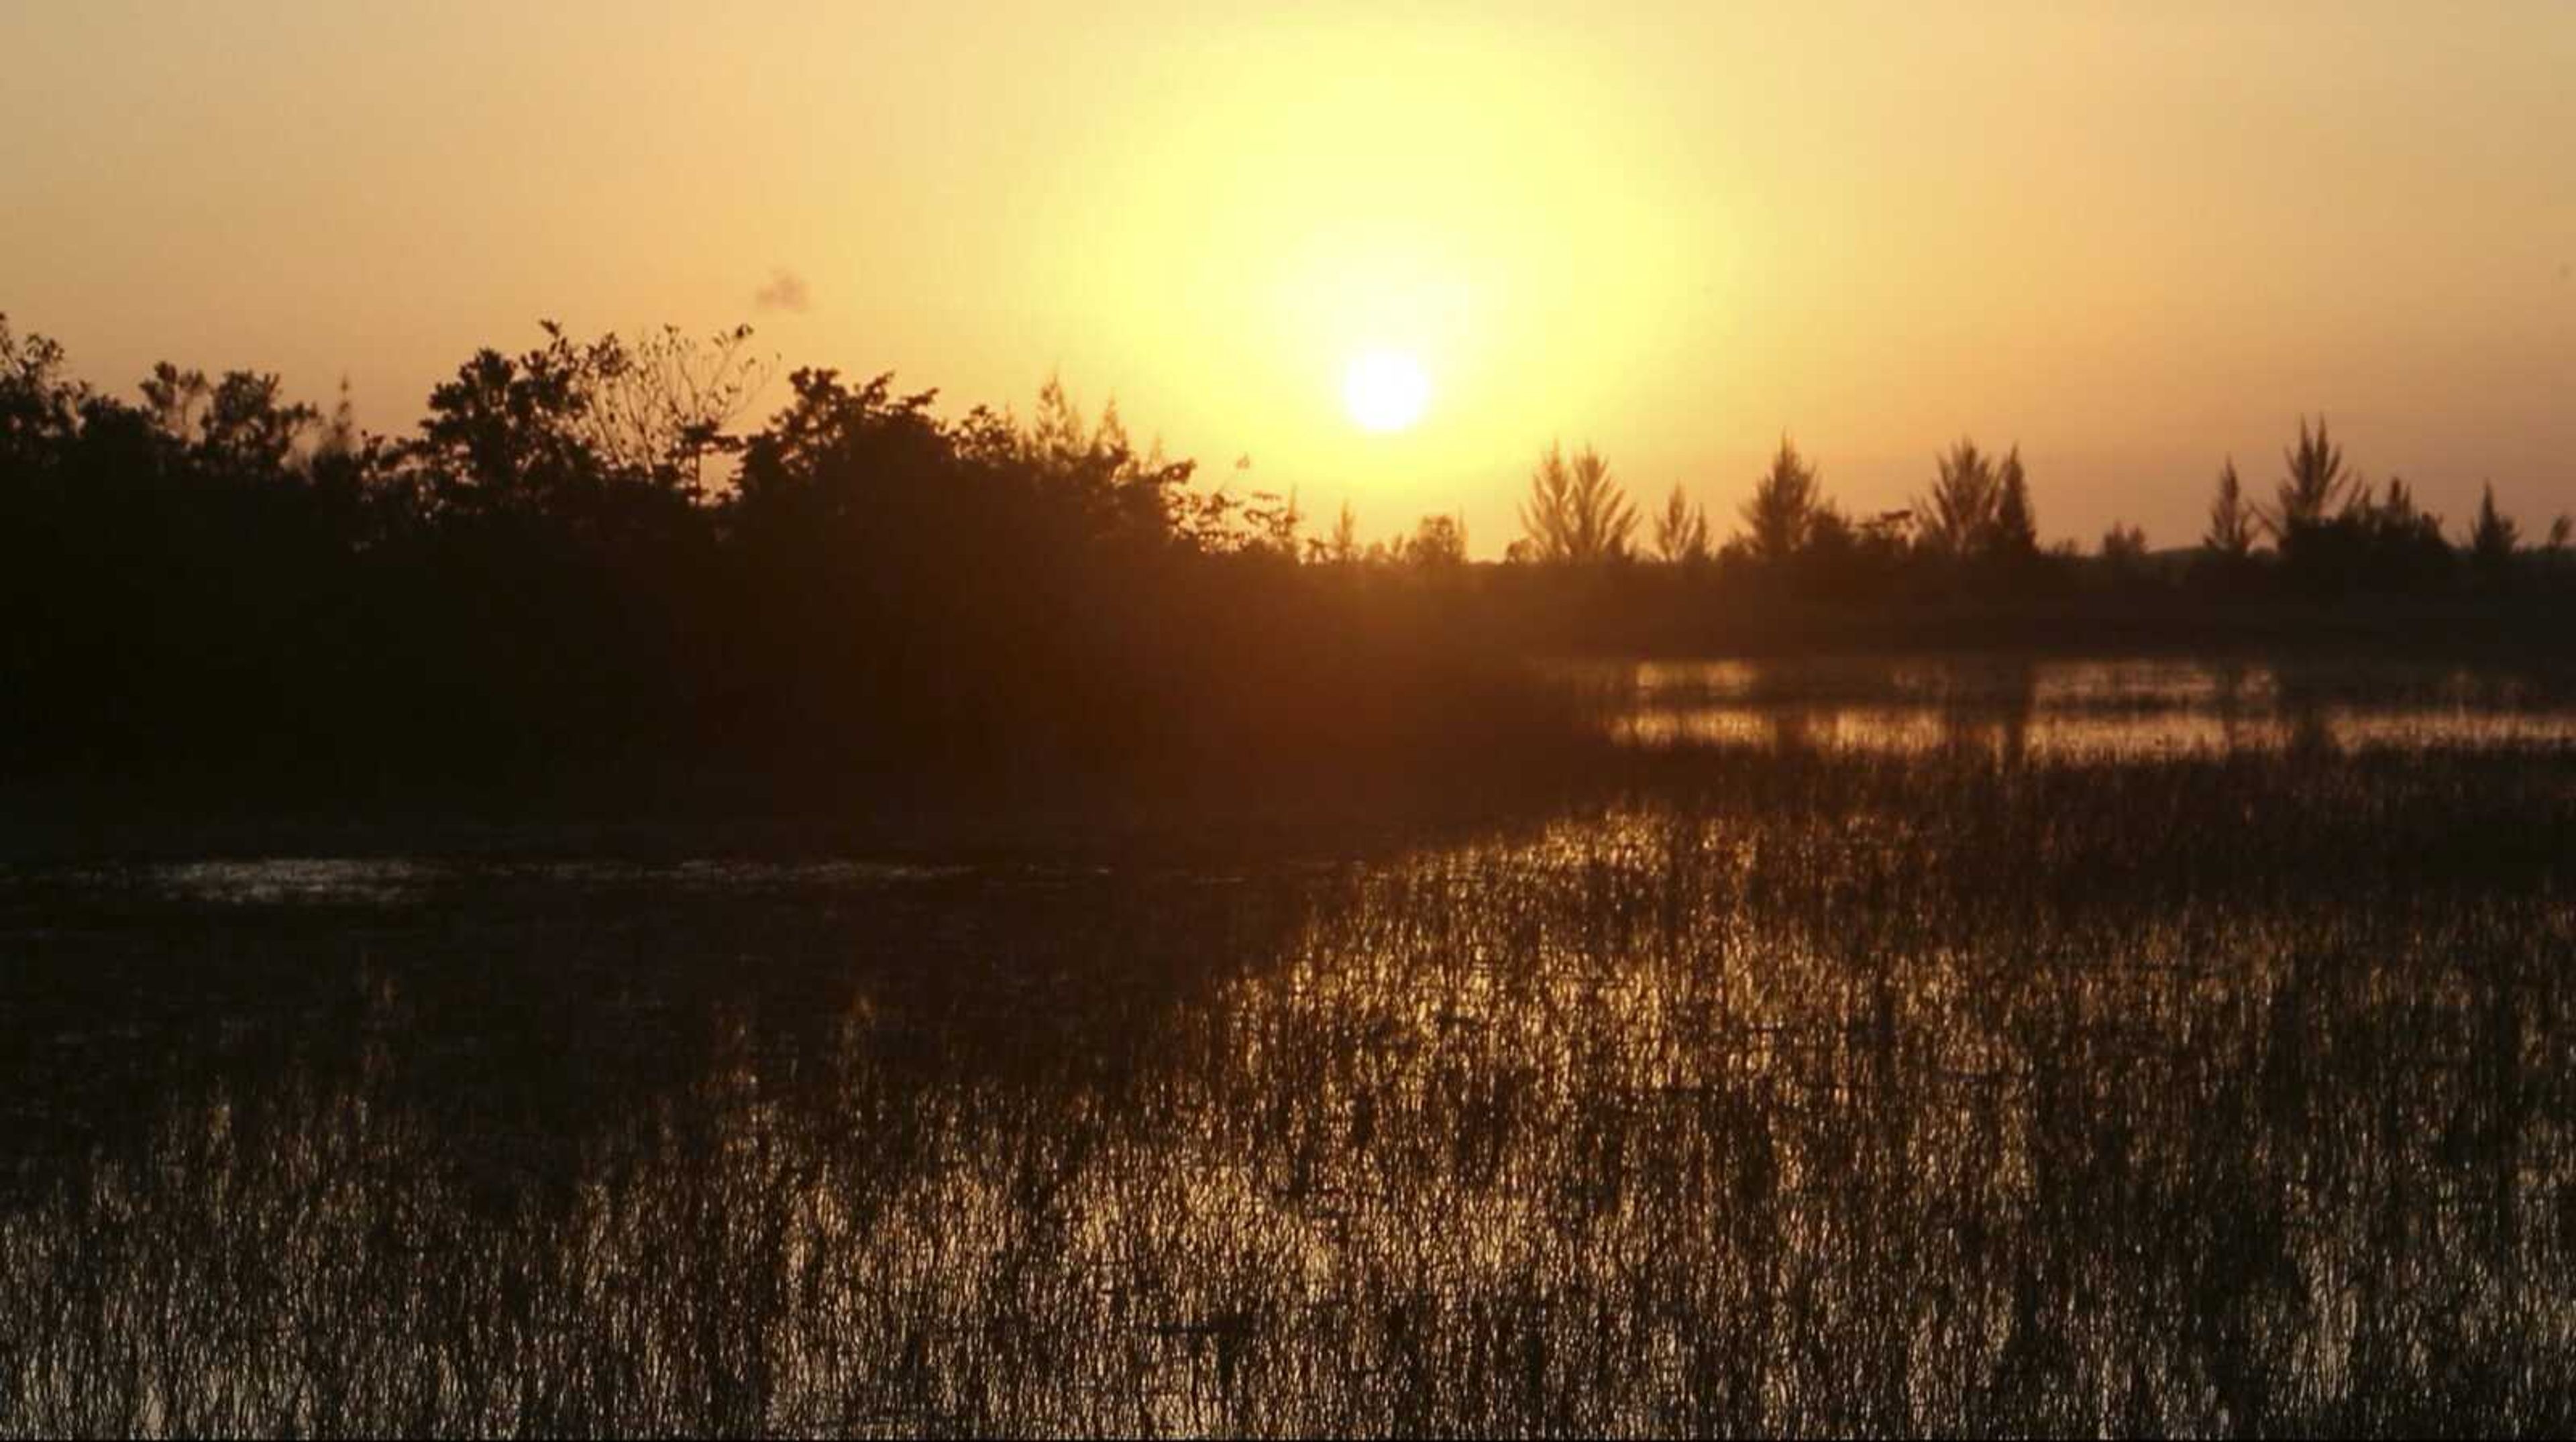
(1812,1092)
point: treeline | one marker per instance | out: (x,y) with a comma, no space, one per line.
(578,577)
(1974,532)
(584,575)
(2327,559)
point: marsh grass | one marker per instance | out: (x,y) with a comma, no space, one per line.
(1806,1091)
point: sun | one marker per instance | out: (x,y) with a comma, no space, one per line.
(1386,390)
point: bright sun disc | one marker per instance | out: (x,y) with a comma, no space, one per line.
(1386,390)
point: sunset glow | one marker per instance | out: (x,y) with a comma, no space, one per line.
(2133,240)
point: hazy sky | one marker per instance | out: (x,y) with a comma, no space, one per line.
(2133,238)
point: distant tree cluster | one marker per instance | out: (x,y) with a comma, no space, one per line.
(1975,532)
(2334,535)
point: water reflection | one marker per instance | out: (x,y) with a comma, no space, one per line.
(2017,710)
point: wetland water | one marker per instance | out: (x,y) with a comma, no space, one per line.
(1906,1046)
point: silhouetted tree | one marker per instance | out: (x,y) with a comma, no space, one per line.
(2014,534)
(2493,539)
(1437,543)
(249,429)
(2319,517)
(2554,552)
(1781,515)
(1270,525)
(1140,493)
(174,396)
(39,406)
(1681,531)
(2314,487)
(339,437)
(1576,514)
(1957,519)
(2230,537)
(1851,559)
(1342,547)
(2124,550)
(520,434)
(664,402)
(2400,544)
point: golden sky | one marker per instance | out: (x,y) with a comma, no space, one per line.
(2134,238)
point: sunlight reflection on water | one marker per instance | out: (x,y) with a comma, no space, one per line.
(271,881)
(2070,709)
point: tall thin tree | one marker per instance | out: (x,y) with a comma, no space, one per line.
(2232,521)
(2493,538)
(2014,532)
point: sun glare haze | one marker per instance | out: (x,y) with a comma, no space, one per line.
(1386,390)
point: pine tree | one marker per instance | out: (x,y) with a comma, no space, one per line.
(2315,487)
(1344,546)
(1681,532)
(1576,514)
(1780,519)
(1957,518)
(2014,532)
(2231,521)
(2493,539)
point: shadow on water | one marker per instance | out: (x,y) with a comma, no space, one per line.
(1972,1086)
